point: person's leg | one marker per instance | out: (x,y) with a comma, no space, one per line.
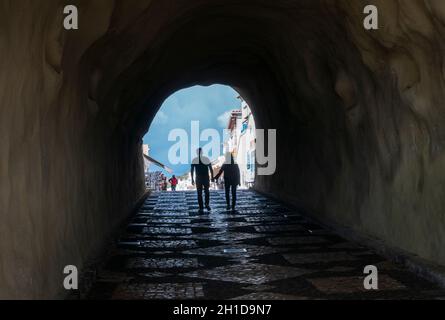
(227,189)
(234,196)
(207,195)
(199,187)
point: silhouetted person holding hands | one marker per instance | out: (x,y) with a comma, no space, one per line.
(202,166)
(231,179)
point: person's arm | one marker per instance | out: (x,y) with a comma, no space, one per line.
(211,172)
(220,173)
(193,174)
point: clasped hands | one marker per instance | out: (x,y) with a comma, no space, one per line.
(213,180)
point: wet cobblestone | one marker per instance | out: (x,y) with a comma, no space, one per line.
(158,291)
(248,273)
(262,251)
(161,263)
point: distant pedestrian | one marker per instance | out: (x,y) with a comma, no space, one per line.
(232,179)
(202,166)
(164,183)
(173,182)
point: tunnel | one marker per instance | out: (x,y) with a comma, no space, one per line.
(359,116)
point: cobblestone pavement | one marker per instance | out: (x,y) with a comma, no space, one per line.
(262,251)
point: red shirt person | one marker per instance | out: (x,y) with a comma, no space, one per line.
(174,182)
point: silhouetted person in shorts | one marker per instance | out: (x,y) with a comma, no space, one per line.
(202,166)
(231,179)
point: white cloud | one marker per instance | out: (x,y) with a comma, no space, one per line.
(161,118)
(223,119)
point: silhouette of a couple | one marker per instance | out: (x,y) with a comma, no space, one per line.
(202,166)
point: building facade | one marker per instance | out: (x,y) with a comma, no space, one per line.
(241,142)
(146,151)
(155,181)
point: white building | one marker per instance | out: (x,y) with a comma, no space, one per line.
(146,151)
(242,142)
(185,182)
(155,180)
(247,146)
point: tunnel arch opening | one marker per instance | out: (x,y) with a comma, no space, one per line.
(213,117)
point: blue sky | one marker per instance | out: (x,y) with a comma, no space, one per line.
(210,106)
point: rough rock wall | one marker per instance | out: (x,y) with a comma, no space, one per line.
(379,168)
(358,114)
(58,199)
(404,203)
